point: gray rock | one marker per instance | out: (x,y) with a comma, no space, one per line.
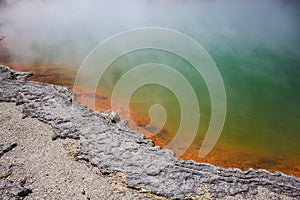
(114,147)
(6,73)
(11,189)
(6,148)
(114,118)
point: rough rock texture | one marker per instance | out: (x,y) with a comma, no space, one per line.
(10,189)
(113,147)
(48,168)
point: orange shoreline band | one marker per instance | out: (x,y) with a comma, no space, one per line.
(224,157)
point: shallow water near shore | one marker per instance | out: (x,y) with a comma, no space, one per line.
(257,54)
(244,145)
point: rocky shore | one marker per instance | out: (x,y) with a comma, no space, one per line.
(106,143)
(40,168)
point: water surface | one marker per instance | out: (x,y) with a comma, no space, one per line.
(254,44)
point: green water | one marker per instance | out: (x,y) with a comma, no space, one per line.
(255,45)
(263,103)
(263,95)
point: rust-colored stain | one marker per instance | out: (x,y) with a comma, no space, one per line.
(223,155)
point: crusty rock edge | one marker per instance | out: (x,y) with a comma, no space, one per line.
(112,146)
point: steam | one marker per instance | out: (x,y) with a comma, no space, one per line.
(65,30)
(254,43)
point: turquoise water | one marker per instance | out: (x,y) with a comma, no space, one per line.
(263,94)
(255,45)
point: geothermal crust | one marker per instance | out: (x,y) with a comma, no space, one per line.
(111,146)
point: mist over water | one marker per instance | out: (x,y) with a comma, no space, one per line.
(255,45)
(66,29)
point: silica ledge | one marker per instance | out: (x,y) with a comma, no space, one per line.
(111,146)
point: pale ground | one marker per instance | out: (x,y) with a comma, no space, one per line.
(51,170)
